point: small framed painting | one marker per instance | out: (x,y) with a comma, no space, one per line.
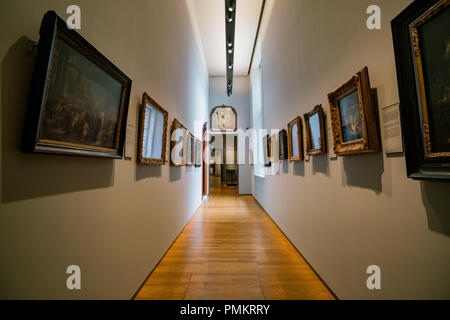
(315,131)
(178,135)
(152,133)
(266,150)
(198,153)
(78,102)
(283,145)
(422,54)
(354,117)
(223,118)
(190,150)
(295,140)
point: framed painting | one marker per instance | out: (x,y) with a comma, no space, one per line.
(223,118)
(315,131)
(354,117)
(198,153)
(283,145)
(178,138)
(295,140)
(190,150)
(152,133)
(421,35)
(266,150)
(78,103)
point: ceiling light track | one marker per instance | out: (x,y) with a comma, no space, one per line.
(230,26)
(257,35)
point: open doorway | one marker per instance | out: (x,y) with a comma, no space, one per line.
(224,170)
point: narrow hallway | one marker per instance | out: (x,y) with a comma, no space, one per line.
(232,250)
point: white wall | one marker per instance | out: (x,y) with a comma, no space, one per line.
(240,101)
(112,218)
(347,214)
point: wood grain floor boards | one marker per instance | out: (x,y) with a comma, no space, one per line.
(232,250)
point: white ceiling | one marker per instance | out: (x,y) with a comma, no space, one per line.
(210,16)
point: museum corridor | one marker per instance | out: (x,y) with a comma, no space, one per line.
(224,150)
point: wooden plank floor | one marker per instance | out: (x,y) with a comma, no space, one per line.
(232,250)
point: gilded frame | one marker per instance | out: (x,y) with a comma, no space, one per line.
(176,125)
(146,99)
(421,162)
(420,81)
(369,116)
(323,147)
(301,153)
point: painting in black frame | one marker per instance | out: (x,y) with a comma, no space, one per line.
(267,141)
(78,103)
(283,145)
(421,35)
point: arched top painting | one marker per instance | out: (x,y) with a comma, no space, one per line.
(223,118)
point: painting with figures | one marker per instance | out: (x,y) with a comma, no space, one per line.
(78,102)
(83,102)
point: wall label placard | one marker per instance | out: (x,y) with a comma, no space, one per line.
(392,129)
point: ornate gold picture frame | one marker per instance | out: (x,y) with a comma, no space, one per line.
(295,140)
(176,142)
(354,117)
(422,55)
(152,138)
(423,87)
(315,131)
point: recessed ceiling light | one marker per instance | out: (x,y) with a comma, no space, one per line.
(230,51)
(230,66)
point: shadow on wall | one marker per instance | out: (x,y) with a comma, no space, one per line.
(144,172)
(175,173)
(285,165)
(299,168)
(27,176)
(364,171)
(435,197)
(320,164)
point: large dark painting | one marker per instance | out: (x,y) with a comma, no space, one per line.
(422,48)
(78,105)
